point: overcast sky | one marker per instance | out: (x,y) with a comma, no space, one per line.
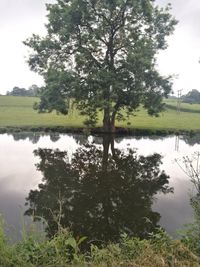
(20,18)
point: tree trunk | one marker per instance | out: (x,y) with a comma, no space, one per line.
(108,122)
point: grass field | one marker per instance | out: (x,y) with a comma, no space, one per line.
(18,112)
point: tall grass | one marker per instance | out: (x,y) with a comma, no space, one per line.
(63,250)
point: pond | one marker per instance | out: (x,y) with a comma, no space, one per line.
(97,186)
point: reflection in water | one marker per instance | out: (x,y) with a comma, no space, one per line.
(96,193)
(177,143)
(34,137)
(191,139)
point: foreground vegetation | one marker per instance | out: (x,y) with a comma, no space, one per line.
(64,250)
(18,112)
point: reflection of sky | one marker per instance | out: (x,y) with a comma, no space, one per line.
(174,208)
(18,174)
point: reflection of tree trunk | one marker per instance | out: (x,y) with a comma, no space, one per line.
(108,142)
(112,144)
(106,145)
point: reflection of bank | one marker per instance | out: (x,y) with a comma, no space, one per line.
(34,137)
(98,194)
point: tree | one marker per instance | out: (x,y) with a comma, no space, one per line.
(33,91)
(102,53)
(193,97)
(17,91)
(98,194)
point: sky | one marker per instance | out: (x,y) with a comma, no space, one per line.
(19,19)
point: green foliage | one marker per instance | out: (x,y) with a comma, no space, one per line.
(59,251)
(102,54)
(32,91)
(133,247)
(47,105)
(190,235)
(193,97)
(64,250)
(161,240)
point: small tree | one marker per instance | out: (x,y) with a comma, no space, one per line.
(102,53)
(191,167)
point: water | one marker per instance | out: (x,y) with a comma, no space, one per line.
(100,189)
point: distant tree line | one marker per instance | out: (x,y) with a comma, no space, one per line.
(33,90)
(193,97)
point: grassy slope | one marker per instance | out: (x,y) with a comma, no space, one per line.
(17,111)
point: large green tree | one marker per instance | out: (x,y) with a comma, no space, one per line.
(102,53)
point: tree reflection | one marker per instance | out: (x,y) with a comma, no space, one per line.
(31,137)
(191,139)
(96,193)
(34,137)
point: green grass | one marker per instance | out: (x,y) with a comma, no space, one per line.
(18,112)
(184,107)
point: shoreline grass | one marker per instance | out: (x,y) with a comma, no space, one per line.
(63,250)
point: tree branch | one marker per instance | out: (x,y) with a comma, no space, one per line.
(87,50)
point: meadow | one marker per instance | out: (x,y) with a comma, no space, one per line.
(18,112)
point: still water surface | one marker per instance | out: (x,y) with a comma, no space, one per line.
(102,187)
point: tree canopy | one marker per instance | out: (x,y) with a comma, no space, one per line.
(33,90)
(102,54)
(193,97)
